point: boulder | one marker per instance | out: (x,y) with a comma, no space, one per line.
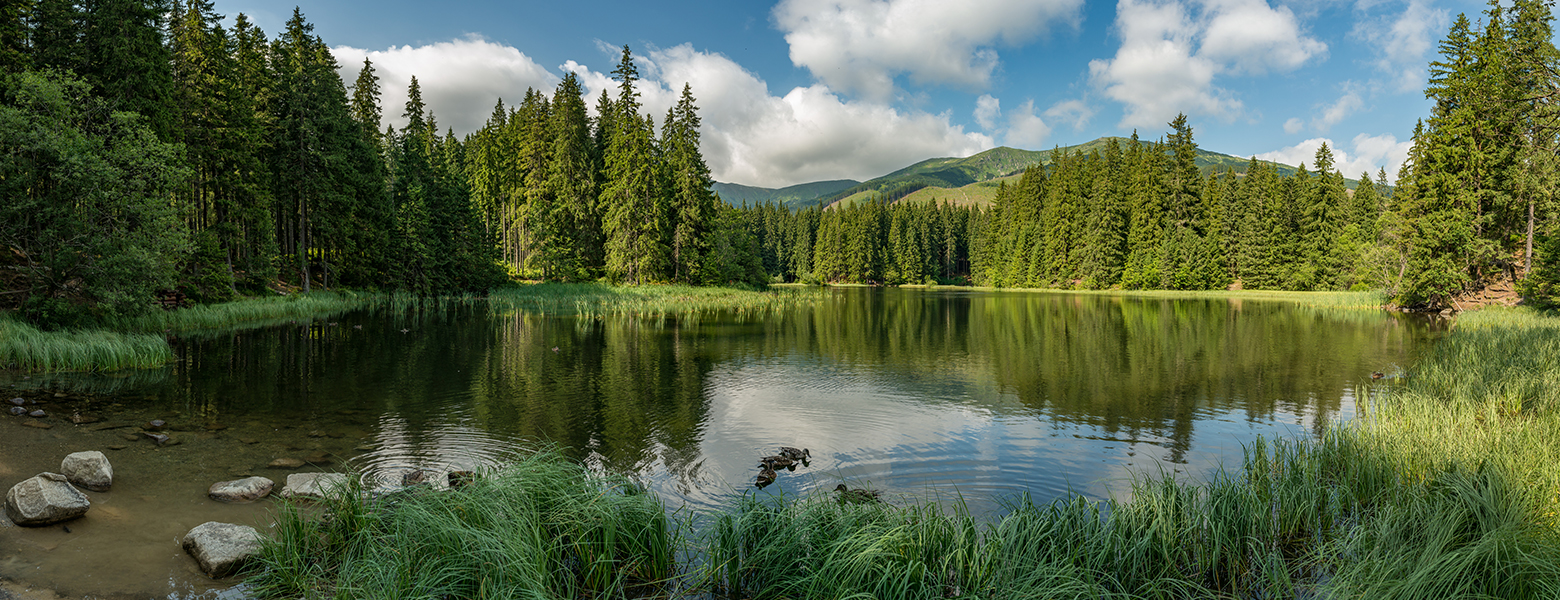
(248,489)
(222,549)
(88,470)
(314,486)
(44,500)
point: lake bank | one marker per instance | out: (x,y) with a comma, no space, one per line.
(1444,487)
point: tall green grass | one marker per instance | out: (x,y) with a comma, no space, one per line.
(31,349)
(248,313)
(544,527)
(597,300)
(1445,486)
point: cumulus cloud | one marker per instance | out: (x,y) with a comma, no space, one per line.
(1336,112)
(987,109)
(1025,129)
(752,137)
(860,46)
(1075,112)
(1369,153)
(1402,40)
(461,80)
(1170,55)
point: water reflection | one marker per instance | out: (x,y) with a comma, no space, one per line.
(983,393)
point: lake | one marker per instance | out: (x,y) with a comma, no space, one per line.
(925,393)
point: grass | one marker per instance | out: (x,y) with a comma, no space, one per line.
(544,527)
(597,300)
(1445,486)
(31,349)
(248,313)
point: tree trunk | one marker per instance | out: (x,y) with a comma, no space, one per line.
(1527,261)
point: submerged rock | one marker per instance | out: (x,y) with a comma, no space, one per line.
(314,486)
(17,401)
(285,463)
(17,411)
(89,470)
(248,489)
(156,425)
(38,414)
(37,425)
(222,549)
(44,500)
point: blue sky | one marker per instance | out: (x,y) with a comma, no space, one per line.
(804,90)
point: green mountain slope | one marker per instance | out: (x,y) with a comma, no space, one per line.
(800,195)
(957,173)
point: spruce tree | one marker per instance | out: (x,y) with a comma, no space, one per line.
(634,217)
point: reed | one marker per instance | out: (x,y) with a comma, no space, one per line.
(598,300)
(25,347)
(248,313)
(544,527)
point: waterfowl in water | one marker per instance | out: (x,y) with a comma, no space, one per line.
(795,454)
(1376,375)
(765,477)
(858,496)
(776,462)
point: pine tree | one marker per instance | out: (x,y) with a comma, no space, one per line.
(692,203)
(634,217)
(126,61)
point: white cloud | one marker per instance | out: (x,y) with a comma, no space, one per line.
(754,138)
(987,109)
(1075,112)
(1169,56)
(862,45)
(1253,37)
(1336,112)
(1402,41)
(1369,154)
(1025,130)
(1293,125)
(461,79)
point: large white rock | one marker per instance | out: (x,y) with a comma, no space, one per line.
(314,486)
(43,500)
(221,549)
(248,489)
(89,470)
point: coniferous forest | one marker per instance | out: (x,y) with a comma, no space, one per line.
(146,147)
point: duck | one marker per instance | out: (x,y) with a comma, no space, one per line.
(765,477)
(776,462)
(857,496)
(794,454)
(1376,375)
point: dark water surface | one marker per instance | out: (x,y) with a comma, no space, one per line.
(925,393)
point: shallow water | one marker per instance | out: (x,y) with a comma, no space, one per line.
(926,393)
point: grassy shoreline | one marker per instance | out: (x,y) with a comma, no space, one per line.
(1444,486)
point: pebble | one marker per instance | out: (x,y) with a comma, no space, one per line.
(59,394)
(116,446)
(156,425)
(18,411)
(17,401)
(38,414)
(285,463)
(82,419)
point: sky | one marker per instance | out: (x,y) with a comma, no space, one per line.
(807,90)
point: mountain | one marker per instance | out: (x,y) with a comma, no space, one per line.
(970,180)
(965,180)
(801,195)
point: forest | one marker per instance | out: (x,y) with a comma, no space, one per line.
(149,149)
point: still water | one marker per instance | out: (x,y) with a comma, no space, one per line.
(932,394)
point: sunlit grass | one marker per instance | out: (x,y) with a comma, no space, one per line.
(597,300)
(31,349)
(248,313)
(544,527)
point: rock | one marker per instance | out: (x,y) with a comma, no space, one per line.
(44,500)
(241,490)
(89,470)
(37,425)
(38,414)
(81,419)
(156,425)
(117,446)
(17,411)
(285,463)
(159,438)
(314,486)
(59,395)
(222,549)
(17,401)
